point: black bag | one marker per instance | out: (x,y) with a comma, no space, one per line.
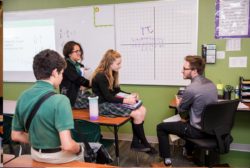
(89,154)
(101,156)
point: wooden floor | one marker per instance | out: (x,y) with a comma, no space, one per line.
(128,157)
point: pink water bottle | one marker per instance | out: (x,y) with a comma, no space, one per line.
(93,107)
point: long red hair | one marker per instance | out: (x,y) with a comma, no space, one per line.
(105,67)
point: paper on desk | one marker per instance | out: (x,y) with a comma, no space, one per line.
(242,106)
(173,137)
(173,119)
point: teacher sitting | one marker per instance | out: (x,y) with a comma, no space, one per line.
(73,80)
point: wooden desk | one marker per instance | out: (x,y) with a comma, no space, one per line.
(7,158)
(116,122)
(245,109)
(26,161)
(83,114)
(173,105)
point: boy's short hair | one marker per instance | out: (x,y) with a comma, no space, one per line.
(45,62)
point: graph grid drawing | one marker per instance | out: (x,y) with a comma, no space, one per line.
(154,38)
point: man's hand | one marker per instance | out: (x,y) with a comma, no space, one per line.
(177,100)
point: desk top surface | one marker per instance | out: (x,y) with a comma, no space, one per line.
(26,161)
(172,104)
(84,115)
(7,157)
(9,106)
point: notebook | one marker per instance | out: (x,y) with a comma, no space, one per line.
(130,106)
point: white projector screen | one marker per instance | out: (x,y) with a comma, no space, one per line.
(28,32)
(22,41)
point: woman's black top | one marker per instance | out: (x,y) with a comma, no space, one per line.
(72,81)
(100,87)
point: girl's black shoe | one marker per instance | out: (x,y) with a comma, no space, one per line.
(139,147)
(152,151)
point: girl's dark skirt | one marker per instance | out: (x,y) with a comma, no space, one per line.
(113,110)
(82,101)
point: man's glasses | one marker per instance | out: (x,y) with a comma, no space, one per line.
(77,52)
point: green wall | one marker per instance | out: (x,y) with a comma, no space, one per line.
(157,98)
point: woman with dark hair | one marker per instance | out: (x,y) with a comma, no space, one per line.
(73,79)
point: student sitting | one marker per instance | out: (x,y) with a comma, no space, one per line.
(105,85)
(49,132)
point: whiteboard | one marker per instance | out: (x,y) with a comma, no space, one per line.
(153,38)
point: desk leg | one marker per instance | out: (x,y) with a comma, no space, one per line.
(116,145)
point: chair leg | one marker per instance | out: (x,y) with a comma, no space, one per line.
(207,159)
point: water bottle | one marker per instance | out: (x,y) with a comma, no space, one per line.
(93,107)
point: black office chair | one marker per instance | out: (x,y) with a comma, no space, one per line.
(7,136)
(218,120)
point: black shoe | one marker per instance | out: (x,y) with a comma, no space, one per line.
(152,151)
(139,147)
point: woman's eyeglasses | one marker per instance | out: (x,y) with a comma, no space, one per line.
(186,69)
(77,52)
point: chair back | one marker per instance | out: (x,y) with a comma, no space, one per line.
(85,130)
(7,128)
(219,115)
(218,120)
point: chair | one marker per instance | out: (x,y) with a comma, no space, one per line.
(218,120)
(7,135)
(86,130)
(91,132)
